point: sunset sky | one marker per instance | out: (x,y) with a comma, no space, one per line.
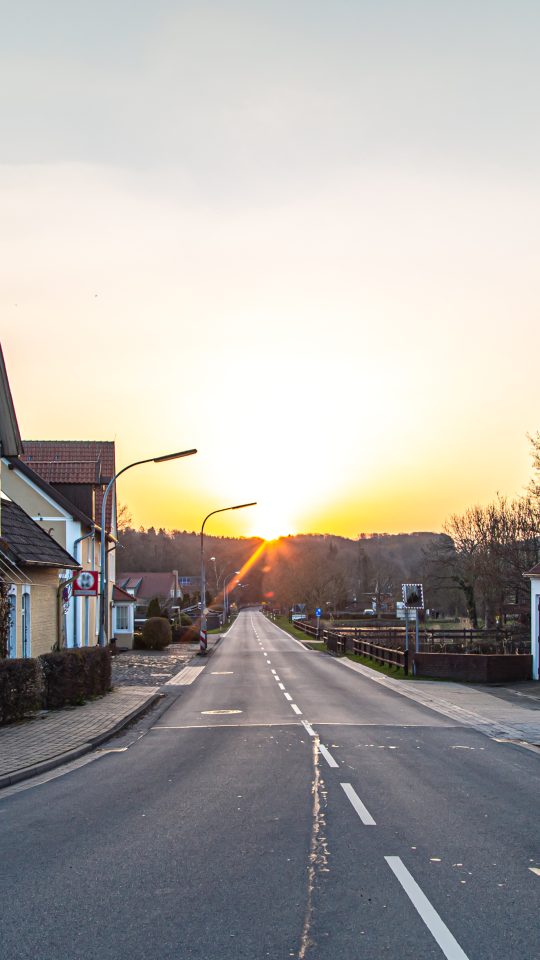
(301,237)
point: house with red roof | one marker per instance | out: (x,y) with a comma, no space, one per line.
(145,587)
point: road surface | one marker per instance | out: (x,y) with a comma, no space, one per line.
(283,806)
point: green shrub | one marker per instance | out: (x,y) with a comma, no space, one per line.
(156,634)
(154,608)
(22,688)
(185,620)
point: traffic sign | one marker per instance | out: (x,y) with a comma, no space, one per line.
(413,596)
(85,584)
(318,612)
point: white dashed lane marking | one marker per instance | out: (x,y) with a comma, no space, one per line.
(357,804)
(287,696)
(296,709)
(328,756)
(436,926)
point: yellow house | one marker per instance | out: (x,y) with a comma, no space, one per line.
(30,563)
(73,530)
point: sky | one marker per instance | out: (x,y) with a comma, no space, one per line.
(302,238)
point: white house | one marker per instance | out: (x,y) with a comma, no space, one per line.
(534,576)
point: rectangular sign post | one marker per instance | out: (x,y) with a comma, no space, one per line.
(413,598)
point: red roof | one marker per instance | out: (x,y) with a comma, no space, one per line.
(120,596)
(150,584)
(74,461)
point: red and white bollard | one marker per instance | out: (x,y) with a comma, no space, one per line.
(203,643)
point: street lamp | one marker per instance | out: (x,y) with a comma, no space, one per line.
(103,612)
(225,585)
(203,643)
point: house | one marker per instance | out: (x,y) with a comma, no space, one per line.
(74,530)
(534,577)
(79,471)
(10,438)
(30,563)
(123,617)
(148,586)
(190,585)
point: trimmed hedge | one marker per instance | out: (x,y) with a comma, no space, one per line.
(52,681)
(22,688)
(72,676)
(156,634)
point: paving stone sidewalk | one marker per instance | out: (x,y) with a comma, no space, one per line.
(509,712)
(38,744)
(57,736)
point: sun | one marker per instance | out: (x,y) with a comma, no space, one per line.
(270,524)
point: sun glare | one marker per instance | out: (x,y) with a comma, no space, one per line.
(270,525)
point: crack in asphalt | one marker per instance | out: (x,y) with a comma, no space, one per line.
(319,853)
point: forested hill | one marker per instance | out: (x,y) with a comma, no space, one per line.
(309,568)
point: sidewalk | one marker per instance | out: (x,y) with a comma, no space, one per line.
(59,736)
(509,712)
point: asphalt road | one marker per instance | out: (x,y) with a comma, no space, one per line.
(283,806)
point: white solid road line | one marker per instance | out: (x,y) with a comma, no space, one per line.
(328,756)
(296,710)
(287,696)
(361,810)
(309,728)
(438,929)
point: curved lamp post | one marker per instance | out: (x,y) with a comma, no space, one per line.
(103,606)
(203,642)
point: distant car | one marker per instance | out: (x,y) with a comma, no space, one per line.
(368,612)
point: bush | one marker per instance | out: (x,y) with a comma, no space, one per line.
(154,608)
(72,676)
(22,688)
(185,620)
(156,634)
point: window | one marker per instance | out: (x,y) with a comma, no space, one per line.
(12,638)
(26,622)
(122,617)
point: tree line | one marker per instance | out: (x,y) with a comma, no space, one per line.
(474,568)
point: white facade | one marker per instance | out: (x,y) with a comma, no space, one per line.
(535,624)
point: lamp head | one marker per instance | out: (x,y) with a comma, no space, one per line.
(174,456)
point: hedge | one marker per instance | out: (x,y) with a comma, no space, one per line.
(52,681)
(72,676)
(22,688)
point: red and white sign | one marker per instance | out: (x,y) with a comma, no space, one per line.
(86,584)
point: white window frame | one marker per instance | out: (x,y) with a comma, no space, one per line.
(121,608)
(26,621)
(12,637)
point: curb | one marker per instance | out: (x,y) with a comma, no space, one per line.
(8,779)
(26,773)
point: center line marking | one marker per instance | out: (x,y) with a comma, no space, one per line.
(273,671)
(438,929)
(296,710)
(361,810)
(309,728)
(328,756)
(287,695)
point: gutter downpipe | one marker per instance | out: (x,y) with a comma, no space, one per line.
(76,544)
